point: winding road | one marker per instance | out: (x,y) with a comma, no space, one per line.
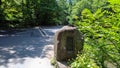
(27,48)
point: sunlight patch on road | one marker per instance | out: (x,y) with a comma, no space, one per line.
(28,63)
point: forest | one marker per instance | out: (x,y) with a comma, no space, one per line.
(98,20)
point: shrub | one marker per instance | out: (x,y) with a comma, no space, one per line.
(102,42)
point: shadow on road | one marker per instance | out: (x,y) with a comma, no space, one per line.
(10,32)
(14,47)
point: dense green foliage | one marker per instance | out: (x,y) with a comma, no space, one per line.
(101,28)
(19,13)
(99,20)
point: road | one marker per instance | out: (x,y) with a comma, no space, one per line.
(27,48)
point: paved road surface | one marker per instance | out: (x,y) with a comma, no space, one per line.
(27,48)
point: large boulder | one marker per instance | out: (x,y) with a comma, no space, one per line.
(68,41)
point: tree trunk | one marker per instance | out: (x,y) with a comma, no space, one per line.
(0,2)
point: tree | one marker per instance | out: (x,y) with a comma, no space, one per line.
(47,11)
